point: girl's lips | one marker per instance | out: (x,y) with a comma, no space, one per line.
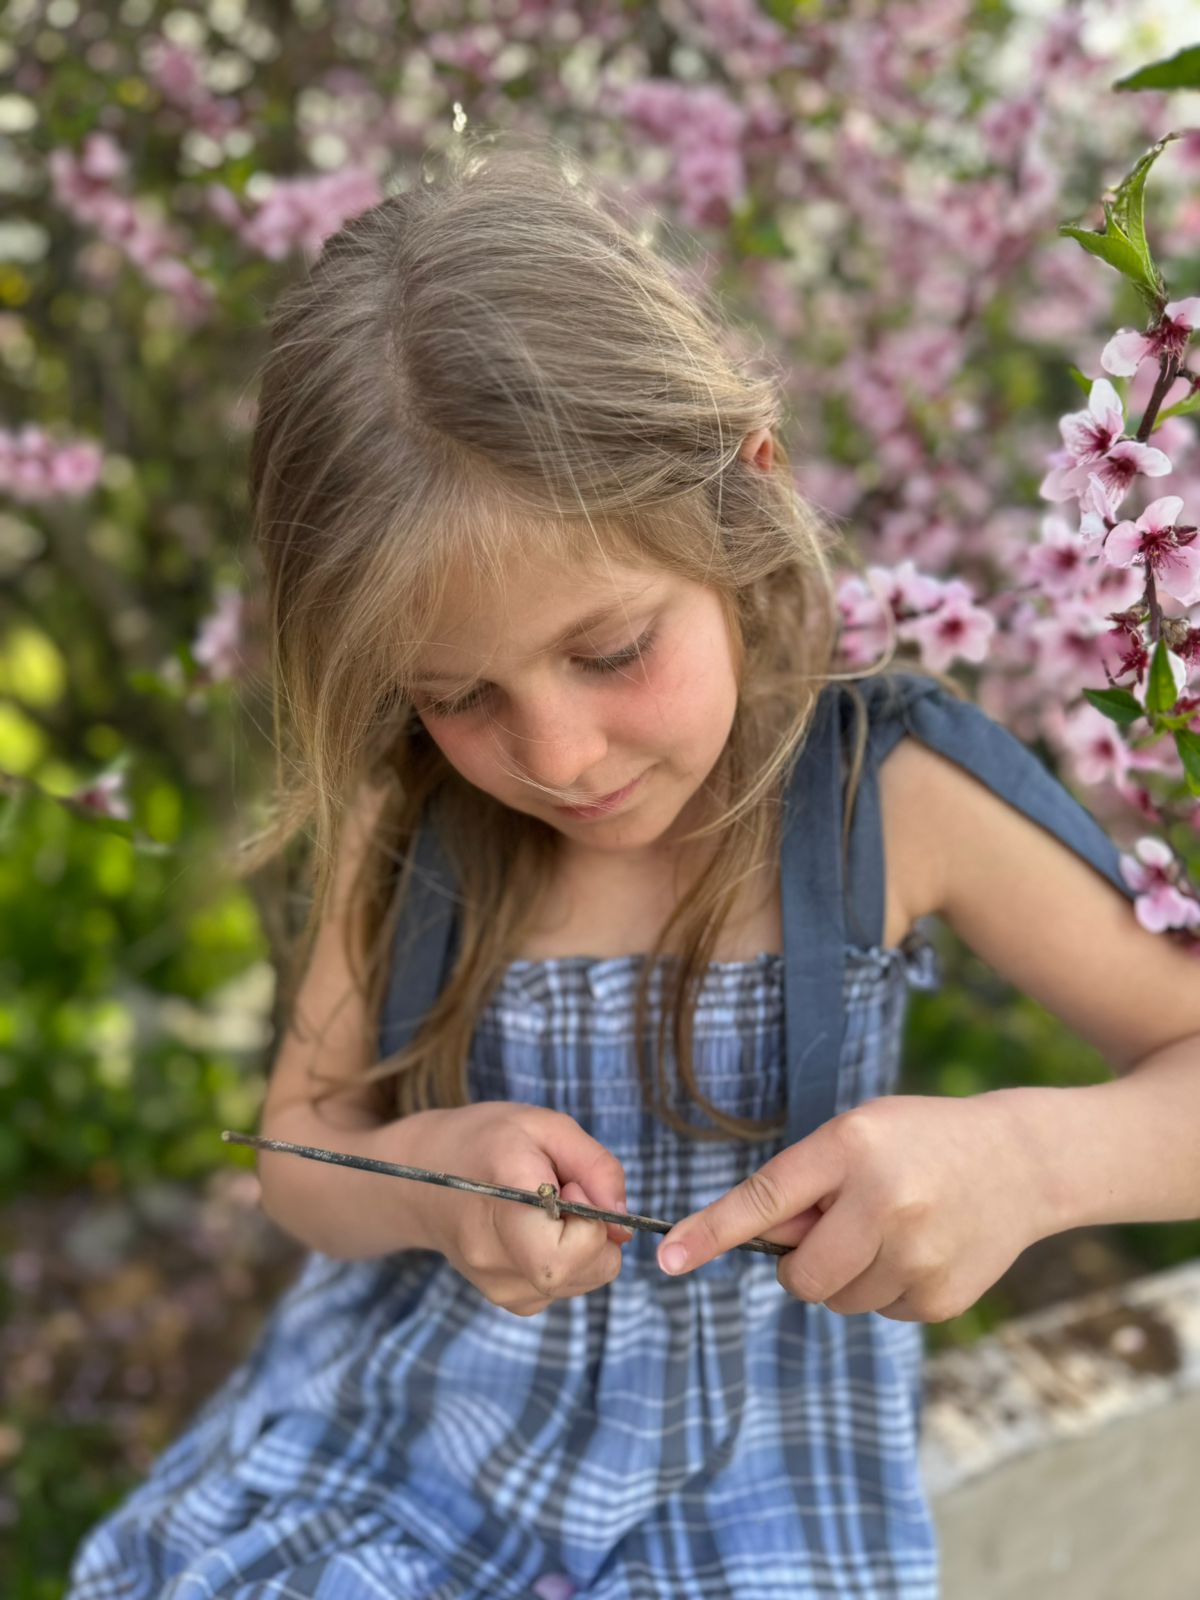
(602,807)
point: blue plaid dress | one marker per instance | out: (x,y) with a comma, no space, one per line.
(393,1434)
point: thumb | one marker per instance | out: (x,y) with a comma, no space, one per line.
(771,1203)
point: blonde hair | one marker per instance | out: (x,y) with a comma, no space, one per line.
(497,360)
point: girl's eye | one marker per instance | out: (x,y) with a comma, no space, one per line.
(623,658)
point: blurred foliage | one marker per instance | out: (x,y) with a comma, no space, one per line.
(136,991)
(115,960)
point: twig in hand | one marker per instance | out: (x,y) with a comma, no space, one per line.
(546,1197)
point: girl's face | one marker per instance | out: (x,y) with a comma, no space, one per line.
(539,720)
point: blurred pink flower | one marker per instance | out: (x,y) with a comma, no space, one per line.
(179,73)
(303,212)
(1060,564)
(105,796)
(34,467)
(957,629)
(1099,753)
(704,127)
(1160,904)
(217,645)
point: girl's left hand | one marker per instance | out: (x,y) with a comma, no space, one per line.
(909,1205)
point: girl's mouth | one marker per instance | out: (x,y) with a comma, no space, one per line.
(602,807)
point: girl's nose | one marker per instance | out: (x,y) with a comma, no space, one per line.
(559,751)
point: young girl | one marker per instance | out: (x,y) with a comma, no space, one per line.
(530,538)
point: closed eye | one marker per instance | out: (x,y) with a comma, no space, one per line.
(601,664)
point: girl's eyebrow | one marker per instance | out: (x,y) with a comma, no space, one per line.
(567,636)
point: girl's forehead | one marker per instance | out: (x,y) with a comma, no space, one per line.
(535,597)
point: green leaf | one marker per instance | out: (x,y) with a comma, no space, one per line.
(757,233)
(1161,693)
(1082,379)
(1180,71)
(1113,247)
(1188,745)
(1119,704)
(1122,241)
(1181,408)
(787,12)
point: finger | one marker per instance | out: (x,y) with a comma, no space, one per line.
(796,1228)
(841,1247)
(773,1198)
(900,1311)
(528,1307)
(581,1159)
(612,1230)
(880,1285)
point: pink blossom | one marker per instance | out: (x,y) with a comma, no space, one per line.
(832,487)
(864,604)
(1098,507)
(34,467)
(101,158)
(217,645)
(1138,797)
(748,43)
(1008,125)
(1126,350)
(81,185)
(1094,444)
(1153,541)
(1070,649)
(912,535)
(179,74)
(958,628)
(1100,754)
(712,179)
(472,49)
(864,621)
(105,796)
(1059,565)
(1160,904)
(705,128)
(1123,650)
(303,212)
(1112,589)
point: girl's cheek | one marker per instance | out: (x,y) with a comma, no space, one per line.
(455,745)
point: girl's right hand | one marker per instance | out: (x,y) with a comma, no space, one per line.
(518,1257)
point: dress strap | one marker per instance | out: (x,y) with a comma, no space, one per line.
(907,703)
(811,893)
(813,929)
(425,942)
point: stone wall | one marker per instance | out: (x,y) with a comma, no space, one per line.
(1062,1453)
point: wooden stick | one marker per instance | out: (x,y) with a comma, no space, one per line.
(545,1198)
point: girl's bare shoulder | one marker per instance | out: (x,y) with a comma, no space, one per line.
(1033,909)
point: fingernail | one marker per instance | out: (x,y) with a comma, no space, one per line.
(673,1257)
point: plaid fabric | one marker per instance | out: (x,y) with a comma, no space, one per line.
(393,1434)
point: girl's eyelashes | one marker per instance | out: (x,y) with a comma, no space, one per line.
(613,663)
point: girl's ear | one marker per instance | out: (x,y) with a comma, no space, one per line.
(758,448)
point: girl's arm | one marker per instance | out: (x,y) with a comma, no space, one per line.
(913,1205)
(1126,1150)
(337,1210)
